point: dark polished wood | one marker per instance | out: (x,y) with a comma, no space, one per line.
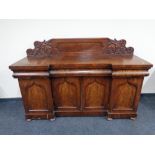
(80,77)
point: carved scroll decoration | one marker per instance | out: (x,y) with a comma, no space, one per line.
(117,47)
(41,49)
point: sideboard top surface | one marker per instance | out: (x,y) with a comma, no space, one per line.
(63,62)
(80,53)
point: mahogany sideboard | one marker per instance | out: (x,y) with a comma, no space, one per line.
(80,77)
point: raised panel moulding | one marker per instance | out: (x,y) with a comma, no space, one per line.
(94,88)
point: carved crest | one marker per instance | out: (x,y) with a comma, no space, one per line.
(41,49)
(104,45)
(118,47)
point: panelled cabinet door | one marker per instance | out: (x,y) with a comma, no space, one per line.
(125,94)
(37,95)
(95,92)
(66,93)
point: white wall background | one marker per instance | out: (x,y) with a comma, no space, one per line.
(18,35)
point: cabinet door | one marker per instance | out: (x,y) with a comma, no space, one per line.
(125,94)
(95,92)
(66,93)
(36,93)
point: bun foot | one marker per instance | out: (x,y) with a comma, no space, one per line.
(28,120)
(133,118)
(109,118)
(52,119)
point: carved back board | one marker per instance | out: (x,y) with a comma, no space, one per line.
(105,46)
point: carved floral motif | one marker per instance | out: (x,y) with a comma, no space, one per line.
(42,49)
(118,47)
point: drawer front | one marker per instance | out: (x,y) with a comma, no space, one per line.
(95,92)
